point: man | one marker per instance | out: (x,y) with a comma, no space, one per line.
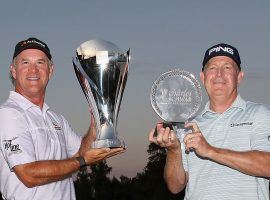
(39,150)
(227,154)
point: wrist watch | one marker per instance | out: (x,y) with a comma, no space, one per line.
(82,162)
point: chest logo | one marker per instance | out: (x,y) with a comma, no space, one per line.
(56,126)
(241,124)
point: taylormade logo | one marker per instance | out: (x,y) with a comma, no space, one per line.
(219,48)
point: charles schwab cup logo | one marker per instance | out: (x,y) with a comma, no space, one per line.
(220,48)
(11,147)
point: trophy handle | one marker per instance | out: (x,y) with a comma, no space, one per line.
(122,86)
(87,93)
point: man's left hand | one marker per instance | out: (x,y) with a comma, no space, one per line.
(195,141)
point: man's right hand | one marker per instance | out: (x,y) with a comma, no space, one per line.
(165,138)
(174,173)
(93,156)
(46,171)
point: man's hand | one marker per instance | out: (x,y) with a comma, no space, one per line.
(93,156)
(196,141)
(89,137)
(174,173)
(165,138)
(43,172)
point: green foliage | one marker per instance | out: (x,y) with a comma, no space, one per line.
(150,183)
(92,185)
(147,185)
(83,186)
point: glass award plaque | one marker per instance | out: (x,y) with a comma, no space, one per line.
(176,97)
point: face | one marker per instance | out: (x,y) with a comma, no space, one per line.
(221,77)
(31,73)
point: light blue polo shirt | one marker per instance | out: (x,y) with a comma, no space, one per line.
(244,126)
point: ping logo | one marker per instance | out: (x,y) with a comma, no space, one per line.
(220,48)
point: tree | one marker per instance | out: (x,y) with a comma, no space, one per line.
(93,182)
(148,185)
(83,187)
(100,182)
(151,182)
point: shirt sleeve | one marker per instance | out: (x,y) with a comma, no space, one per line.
(260,138)
(73,140)
(16,141)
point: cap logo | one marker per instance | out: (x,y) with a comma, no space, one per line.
(222,50)
(219,48)
(33,41)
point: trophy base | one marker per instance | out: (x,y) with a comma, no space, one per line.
(108,143)
(177,125)
(172,125)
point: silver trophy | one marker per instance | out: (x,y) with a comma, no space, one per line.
(176,97)
(102,70)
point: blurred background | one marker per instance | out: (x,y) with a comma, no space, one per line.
(162,35)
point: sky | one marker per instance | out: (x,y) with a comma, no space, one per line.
(162,35)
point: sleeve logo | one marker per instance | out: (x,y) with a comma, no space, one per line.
(11,147)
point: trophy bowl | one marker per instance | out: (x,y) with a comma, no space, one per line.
(102,69)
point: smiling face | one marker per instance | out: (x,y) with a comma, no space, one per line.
(221,78)
(31,72)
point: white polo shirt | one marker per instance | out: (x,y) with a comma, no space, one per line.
(244,126)
(29,134)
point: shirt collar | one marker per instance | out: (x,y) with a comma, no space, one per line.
(23,102)
(238,103)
